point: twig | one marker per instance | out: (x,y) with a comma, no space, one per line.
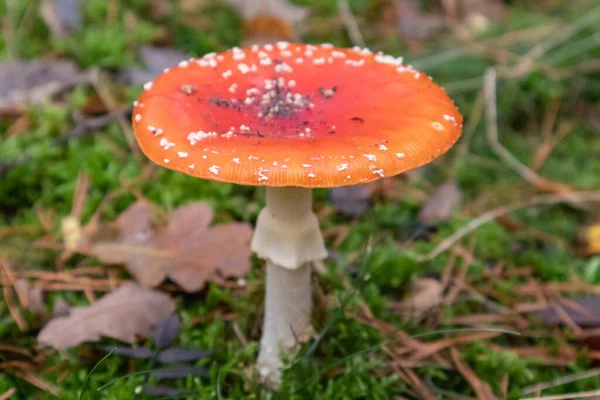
(481,389)
(350,23)
(548,199)
(432,348)
(7,276)
(18,230)
(82,187)
(469,130)
(550,117)
(112,106)
(548,145)
(418,386)
(587,66)
(38,382)
(239,334)
(440,59)
(489,95)
(10,31)
(459,281)
(6,395)
(580,395)
(563,34)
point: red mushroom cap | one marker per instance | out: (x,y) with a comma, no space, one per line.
(294,115)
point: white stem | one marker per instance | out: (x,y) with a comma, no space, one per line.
(288,304)
(287,231)
(287,235)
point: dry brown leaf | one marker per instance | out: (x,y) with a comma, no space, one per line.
(414,24)
(353,200)
(282,9)
(442,202)
(130,240)
(424,295)
(583,311)
(156,59)
(224,247)
(268,21)
(592,238)
(61,16)
(129,311)
(489,9)
(23,83)
(31,297)
(187,250)
(265,29)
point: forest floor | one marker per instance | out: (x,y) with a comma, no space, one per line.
(476,276)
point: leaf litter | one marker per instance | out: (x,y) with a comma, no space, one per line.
(128,312)
(163,335)
(484,285)
(24,83)
(61,16)
(282,9)
(155,60)
(166,331)
(441,204)
(187,250)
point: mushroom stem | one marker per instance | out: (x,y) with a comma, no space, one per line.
(287,231)
(287,235)
(288,304)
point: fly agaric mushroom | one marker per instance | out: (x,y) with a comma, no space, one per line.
(293,117)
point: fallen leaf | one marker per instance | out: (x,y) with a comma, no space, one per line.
(440,205)
(282,9)
(132,352)
(187,250)
(23,83)
(156,59)
(166,331)
(353,201)
(592,238)
(128,311)
(413,24)
(161,9)
(133,245)
(160,390)
(583,311)
(31,297)
(61,16)
(225,248)
(265,29)
(176,354)
(489,9)
(424,295)
(180,371)
(61,308)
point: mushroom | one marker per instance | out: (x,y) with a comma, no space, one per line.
(293,117)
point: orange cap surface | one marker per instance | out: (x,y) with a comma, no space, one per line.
(294,115)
